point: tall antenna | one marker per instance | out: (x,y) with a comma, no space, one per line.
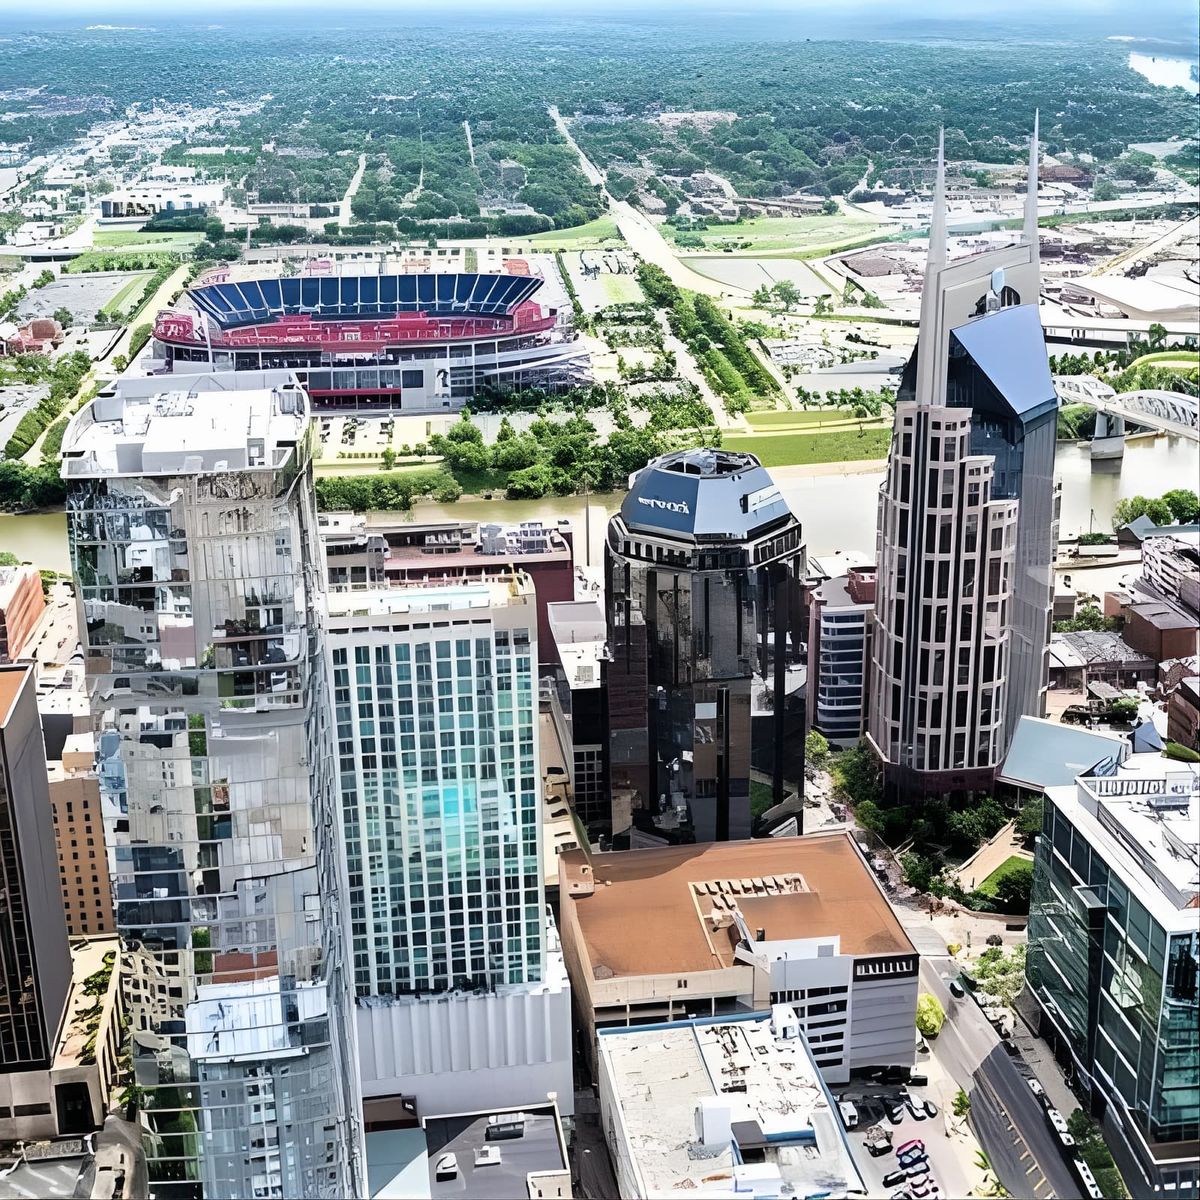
(930,355)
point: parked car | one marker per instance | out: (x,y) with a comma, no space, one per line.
(931,1109)
(957,989)
(916,1079)
(909,1146)
(915,1111)
(877,1146)
(917,1162)
(896,1114)
(894,1178)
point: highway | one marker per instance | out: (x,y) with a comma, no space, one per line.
(1005,1114)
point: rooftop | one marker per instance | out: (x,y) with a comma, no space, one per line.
(418,598)
(1046,753)
(12,680)
(1162,615)
(1087,646)
(11,578)
(617,893)
(186,429)
(723,1105)
(1143,815)
(710,495)
(491,1158)
(580,636)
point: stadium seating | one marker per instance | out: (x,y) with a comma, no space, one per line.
(354,297)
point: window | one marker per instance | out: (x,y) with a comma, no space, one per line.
(412,379)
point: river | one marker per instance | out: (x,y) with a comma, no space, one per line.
(1166,70)
(837,511)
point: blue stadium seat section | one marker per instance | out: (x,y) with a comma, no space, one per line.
(351,298)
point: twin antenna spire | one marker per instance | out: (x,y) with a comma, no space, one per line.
(929,366)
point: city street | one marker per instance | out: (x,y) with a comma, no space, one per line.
(1005,1114)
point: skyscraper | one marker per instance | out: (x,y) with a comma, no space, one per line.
(702,566)
(460,982)
(35,960)
(199,579)
(967,520)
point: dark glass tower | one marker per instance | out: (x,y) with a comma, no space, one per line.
(704,624)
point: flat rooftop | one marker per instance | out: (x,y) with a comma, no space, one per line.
(422,599)
(539,1148)
(681,1124)
(1144,816)
(652,890)
(580,635)
(12,680)
(184,429)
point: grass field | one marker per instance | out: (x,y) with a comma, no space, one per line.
(127,238)
(799,418)
(131,290)
(784,233)
(1161,358)
(602,229)
(799,449)
(1013,863)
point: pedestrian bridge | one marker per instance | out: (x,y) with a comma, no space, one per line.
(1170,412)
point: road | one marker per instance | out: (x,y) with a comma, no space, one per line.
(1005,1114)
(345,206)
(640,232)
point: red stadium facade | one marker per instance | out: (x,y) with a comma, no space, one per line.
(408,342)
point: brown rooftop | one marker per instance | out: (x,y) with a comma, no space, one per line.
(648,892)
(12,680)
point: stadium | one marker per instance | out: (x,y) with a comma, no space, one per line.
(410,342)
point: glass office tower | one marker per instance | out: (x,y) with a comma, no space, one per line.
(702,565)
(191,519)
(1114,954)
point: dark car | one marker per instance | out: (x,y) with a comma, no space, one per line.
(957,989)
(917,1113)
(896,1115)
(916,1159)
(892,1178)
(931,1109)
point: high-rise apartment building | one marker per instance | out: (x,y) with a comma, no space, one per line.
(702,564)
(461,986)
(192,529)
(967,521)
(35,960)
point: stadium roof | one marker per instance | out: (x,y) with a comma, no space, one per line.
(353,297)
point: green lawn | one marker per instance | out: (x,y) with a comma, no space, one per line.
(133,288)
(1007,867)
(1163,357)
(144,241)
(783,233)
(761,798)
(795,419)
(602,229)
(797,449)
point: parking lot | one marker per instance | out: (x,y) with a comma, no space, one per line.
(947,1147)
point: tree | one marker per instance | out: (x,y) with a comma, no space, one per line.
(994,939)
(1124,709)
(64,316)
(389,458)
(830,208)
(1029,821)
(816,749)
(1132,507)
(1015,887)
(962,1103)
(931,1016)
(919,870)
(1184,505)
(1104,189)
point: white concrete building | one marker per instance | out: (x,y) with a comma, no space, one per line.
(721,1107)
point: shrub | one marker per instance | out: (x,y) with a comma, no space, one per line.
(930,1015)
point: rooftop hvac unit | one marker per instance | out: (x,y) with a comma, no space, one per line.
(1170,802)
